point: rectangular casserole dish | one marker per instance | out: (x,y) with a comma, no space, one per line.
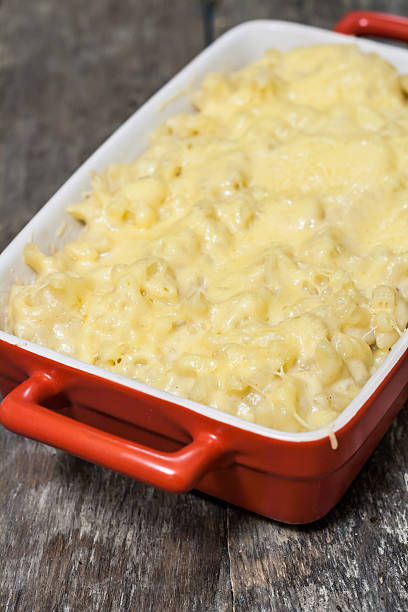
(156,437)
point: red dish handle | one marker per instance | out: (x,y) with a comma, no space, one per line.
(367,23)
(177,471)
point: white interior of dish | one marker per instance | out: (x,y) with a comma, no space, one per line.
(232,51)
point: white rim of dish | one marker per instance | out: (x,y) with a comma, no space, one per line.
(15,247)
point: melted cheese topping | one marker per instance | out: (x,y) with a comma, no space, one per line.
(255,257)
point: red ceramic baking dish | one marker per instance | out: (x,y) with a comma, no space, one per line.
(156,437)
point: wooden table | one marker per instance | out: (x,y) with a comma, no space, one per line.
(73,536)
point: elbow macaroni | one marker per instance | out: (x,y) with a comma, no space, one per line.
(255,257)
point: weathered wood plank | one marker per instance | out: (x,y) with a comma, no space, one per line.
(76,537)
(355,559)
(312,12)
(69,75)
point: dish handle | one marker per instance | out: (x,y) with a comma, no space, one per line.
(368,23)
(177,471)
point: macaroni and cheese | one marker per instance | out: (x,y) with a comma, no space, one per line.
(255,257)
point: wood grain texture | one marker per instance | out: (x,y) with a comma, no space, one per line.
(75,537)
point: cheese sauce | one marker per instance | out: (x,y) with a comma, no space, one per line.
(255,257)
